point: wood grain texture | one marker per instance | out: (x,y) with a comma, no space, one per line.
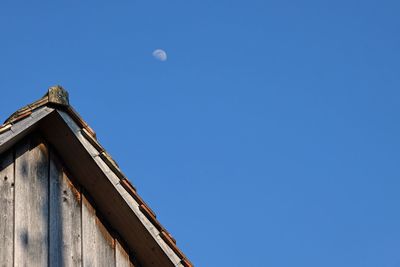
(88,234)
(104,245)
(97,242)
(121,256)
(22,128)
(31,203)
(124,217)
(6,209)
(35,216)
(65,218)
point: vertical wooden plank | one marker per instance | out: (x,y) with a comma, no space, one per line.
(97,243)
(105,245)
(6,209)
(31,203)
(88,234)
(121,256)
(65,218)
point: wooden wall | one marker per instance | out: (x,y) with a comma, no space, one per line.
(48,220)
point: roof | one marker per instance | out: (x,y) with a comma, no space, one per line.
(98,173)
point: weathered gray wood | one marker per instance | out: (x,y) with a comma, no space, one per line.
(65,218)
(6,209)
(97,243)
(121,256)
(22,128)
(89,169)
(104,245)
(123,215)
(31,203)
(88,234)
(77,131)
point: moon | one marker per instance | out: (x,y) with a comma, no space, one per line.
(160,55)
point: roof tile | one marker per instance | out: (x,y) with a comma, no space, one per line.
(5,128)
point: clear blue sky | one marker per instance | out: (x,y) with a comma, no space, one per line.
(270,136)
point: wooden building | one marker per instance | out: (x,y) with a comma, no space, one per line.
(65,202)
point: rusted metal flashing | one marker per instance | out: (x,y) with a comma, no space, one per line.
(171,242)
(132,191)
(128,186)
(78,119)
(167,238)
(149,213)
(186,263)
(168,235)
(143,207)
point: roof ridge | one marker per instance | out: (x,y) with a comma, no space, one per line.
(57,97)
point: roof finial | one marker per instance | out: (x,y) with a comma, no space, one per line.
(58,95)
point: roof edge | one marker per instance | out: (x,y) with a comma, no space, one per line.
(56,97)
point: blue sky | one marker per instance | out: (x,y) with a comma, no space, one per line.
(270,136)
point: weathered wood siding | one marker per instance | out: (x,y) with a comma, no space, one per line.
(31,203)
(65,217)
(46,219)
(97,241)
(7,208)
